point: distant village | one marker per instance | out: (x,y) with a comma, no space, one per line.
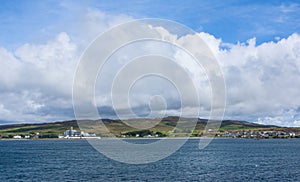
(256,134)
(221,134)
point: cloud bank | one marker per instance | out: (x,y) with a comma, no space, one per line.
(262,80)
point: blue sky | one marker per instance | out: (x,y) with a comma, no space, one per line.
(41,42)
(233,21)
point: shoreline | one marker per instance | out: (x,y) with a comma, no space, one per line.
(141,138)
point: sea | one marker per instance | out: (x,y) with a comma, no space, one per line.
(221,160)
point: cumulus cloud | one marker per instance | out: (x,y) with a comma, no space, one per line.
(262,81)
(36,79)
(37,76)
(186,75)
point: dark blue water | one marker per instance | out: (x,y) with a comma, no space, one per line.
(222,160)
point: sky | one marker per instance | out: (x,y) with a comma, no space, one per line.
(257,44)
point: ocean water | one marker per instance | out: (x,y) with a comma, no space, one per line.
(222,160)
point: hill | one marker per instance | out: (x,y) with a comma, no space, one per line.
(162,127)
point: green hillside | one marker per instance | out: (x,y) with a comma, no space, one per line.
(163,127)
(46,130)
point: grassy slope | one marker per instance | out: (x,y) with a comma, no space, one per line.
(166,126)
(45,128)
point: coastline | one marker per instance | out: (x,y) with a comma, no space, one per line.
(141,138)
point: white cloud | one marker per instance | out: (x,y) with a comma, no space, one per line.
(36,79)
(281,118)
(9,69)
(262,81)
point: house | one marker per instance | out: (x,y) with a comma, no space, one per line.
(17,137)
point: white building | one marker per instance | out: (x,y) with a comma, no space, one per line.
(74,134)
(17,137)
